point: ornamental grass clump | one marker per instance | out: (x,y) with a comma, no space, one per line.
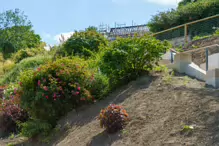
(113,118)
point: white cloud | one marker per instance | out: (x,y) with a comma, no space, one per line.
(164,2)
(47,48)
(66,36)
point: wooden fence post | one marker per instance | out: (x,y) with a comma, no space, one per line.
(186,34)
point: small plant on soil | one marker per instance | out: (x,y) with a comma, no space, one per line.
(168,76)
(113,118)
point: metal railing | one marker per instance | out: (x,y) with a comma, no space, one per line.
(188,30)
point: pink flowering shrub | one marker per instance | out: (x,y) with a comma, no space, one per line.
(54,89)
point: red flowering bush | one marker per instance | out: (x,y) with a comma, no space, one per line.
(11,113)
(113,118)
(54,89)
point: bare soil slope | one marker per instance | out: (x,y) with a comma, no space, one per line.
(158,109)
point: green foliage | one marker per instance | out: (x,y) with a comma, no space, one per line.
(99,86)
(32,128)
(56,87)
(11,114)
(91,28)
(25,53)
(84,44)
(127,58)
(215,34)
(200,37)
(18,37)
(185,2)
(11,136)
(28,63)
(9,91)
(12,18)
(10,144)
(8,66)
(1,56)
(184,14)
(16,32)
(113,118)
(160,68)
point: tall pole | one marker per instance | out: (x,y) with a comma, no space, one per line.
(186,34)
(206,53)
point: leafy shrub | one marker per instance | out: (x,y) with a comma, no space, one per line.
(113,118)
(127,58)
(1,57)
(8,66)
(10,91)
(160,68)
(99,86)
(84,44)
(32,128)
(216,32)
(56,87)
(201,37)
(25,53)
(11,114)
(28,63)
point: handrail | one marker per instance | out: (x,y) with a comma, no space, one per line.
(186,24)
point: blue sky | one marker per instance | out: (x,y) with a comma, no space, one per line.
(51,18)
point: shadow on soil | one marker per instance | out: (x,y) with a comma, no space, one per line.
(104,139)
(90,113)
(205,116)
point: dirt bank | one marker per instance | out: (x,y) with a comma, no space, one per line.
(159,110)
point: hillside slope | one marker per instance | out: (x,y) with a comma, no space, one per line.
(159,108)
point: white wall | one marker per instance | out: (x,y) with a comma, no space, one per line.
(167,56)
(213,62)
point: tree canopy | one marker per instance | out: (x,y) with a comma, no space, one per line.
(183,14)
(91,28)
(16,32)
(85,43)
(185,2)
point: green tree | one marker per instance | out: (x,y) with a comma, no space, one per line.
(91,28)
(127,58)
(16,32)
(185,2)
(84,44)
(12,18)
(186,13)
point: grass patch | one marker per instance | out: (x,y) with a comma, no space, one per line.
(28,63)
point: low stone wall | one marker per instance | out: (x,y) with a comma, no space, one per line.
(212,77)
(183,64)
(199,55)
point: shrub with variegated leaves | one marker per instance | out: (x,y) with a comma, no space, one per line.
(113,118)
